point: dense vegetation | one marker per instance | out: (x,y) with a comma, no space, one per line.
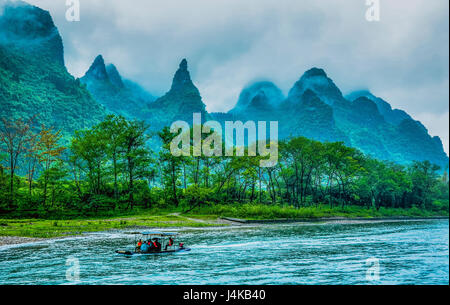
(31,85)
(109,168)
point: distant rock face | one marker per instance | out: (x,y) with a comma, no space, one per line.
(318,82)
(310,117)
(121,97)
(114,76)
(260,96)
(30,29)
(393,116)
(416,144)
(366,112)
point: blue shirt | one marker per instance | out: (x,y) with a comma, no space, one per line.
(144,247)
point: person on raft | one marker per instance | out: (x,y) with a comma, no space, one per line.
(145,247)
(138,246)
(156,245)
(170,243)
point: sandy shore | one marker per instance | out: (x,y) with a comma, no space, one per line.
(14,240)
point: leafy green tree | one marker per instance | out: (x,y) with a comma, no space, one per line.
(196,196)
(52,179)
(171,163)
(88,149)
(136,154)
(113,129)
(424,177)
(14,135)
(49,152)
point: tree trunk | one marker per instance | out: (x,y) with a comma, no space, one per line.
(11,182)
(45,188)
(174,187)
(260,189)
(184,174)
(116,189)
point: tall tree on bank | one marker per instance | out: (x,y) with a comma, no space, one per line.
(172,163)
(50,152)
(88,149)
(14,135)
(136,154)
(113,129)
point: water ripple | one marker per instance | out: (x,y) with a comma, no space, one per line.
(413,252)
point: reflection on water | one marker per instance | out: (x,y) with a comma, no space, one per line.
(412,252)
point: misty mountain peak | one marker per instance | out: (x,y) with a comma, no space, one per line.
(315,72)
(182,79)
(260,102)
(98,69)
(30,28)
(179,102)
(183,64)
(316,80)
(263,90)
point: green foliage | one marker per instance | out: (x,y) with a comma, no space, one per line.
(109,170)
(256,211)
(195,196)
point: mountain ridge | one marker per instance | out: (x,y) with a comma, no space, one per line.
(118,95)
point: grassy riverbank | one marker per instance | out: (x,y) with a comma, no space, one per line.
(260,212)
(41,228)
(206,216)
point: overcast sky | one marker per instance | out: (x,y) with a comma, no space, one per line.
(403,58)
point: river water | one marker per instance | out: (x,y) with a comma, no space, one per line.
(399,252)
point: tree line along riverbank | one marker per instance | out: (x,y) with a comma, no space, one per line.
(111,170)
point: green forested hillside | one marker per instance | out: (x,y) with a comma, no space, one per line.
(37,87)
(33,78)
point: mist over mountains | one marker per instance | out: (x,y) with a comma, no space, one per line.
(34,80)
